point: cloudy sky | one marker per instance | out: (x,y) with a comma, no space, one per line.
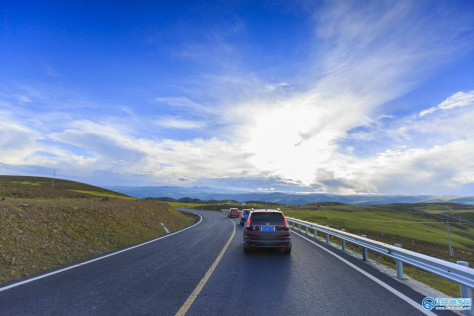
(314,96)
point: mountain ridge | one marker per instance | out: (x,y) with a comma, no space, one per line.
(208,193)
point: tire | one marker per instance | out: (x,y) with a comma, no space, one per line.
(246,250)
(287,251)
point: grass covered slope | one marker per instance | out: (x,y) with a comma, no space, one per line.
(38,187)
(419,227)
(54,229)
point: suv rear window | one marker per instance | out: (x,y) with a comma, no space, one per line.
(271,218)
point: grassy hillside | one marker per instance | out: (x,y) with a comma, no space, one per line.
(220,205)
(421,231)
(42,228)
(38,187)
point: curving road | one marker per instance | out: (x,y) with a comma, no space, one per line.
(159,277)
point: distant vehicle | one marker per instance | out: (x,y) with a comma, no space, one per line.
(234,212)
(244,216)
(267,229)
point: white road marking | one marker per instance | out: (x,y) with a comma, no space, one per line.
(96,259)
(378,281)
(166,229)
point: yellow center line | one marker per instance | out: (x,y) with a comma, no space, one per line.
(184,309)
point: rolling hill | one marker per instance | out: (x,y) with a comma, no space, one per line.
(39,187)
(44,227)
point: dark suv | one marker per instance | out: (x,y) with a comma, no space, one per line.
(267,229)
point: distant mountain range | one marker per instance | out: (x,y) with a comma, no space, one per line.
(207,193)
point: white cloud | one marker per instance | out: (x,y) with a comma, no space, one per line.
(21,145)
(178,101)
(427,111)
(441,169)
(459,99)
(173,122)
(16,142)
(168,159)
(424,155)
(24,99)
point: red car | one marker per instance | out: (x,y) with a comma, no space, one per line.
(234,212)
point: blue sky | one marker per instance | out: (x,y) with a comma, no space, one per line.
(308,96)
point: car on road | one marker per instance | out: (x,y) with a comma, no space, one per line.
(244,216)
(267,229)
(233,212)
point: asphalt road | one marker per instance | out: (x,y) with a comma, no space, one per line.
(158,278)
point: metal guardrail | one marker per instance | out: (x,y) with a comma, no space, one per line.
(459,273)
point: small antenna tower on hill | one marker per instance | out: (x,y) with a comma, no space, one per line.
(54,176)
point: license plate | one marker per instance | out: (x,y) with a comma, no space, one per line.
(268,229)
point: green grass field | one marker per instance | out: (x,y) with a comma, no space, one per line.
(105,194)
(395,225)
(185,205)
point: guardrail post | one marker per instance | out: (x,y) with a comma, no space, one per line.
(306,230)
(399,265)
(466,292)
(343,243)
(327,238)
(293,225)
(315,233)
(364,251)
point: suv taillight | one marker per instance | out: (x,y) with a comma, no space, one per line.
(287,227)
(247,225)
